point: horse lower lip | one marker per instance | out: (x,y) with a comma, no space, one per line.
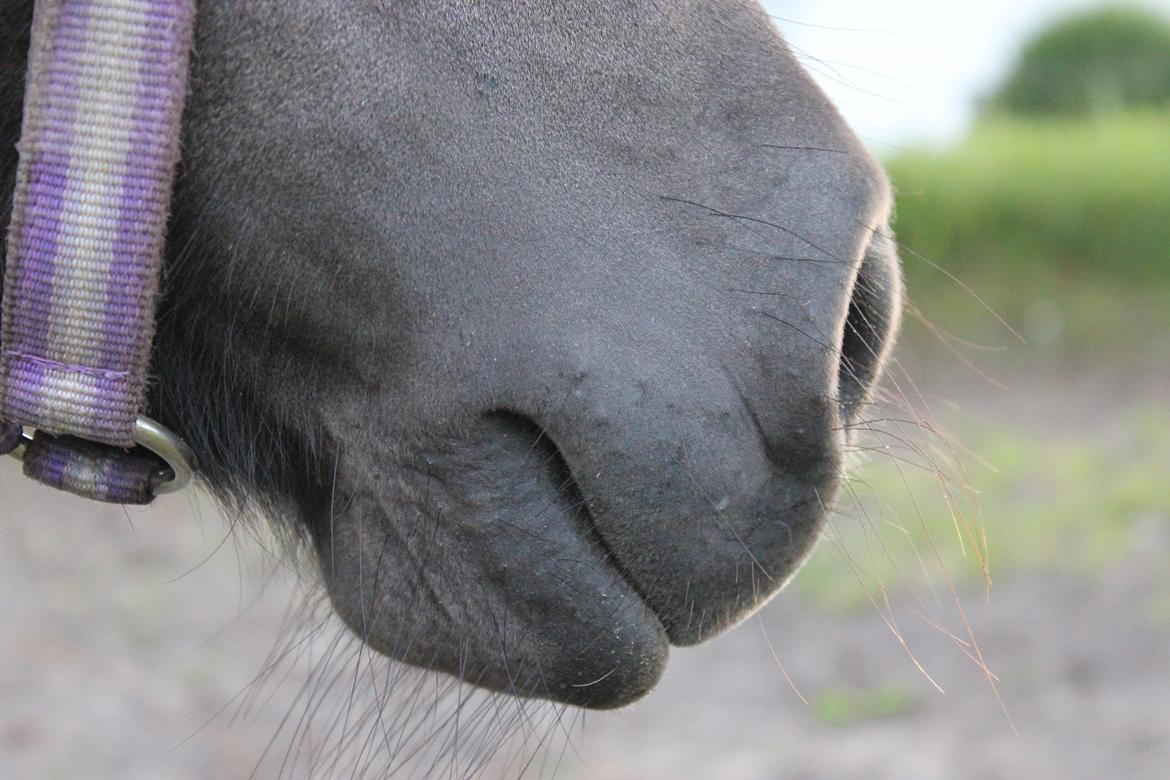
(495,577)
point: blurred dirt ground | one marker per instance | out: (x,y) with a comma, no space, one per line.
(130,641)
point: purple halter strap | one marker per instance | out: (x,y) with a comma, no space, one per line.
(99,144)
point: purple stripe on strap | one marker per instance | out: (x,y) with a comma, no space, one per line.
(29,293)
(100,140)
(90,470)
(159,101)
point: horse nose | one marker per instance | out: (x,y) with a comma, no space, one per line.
(707,463)
(703,512)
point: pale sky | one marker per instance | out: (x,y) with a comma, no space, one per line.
(910,70)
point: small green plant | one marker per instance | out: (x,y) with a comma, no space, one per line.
(847,706)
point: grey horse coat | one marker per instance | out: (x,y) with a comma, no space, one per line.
(543,323)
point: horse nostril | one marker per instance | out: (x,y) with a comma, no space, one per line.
(875,312)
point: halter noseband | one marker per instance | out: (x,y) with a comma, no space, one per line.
(99,144)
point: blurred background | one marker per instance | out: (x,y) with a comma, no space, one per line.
(992,600)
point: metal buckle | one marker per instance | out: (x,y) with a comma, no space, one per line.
(160,440)
(173,450)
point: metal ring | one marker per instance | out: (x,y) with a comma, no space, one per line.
(165,444)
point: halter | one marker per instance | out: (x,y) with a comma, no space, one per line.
(99,144)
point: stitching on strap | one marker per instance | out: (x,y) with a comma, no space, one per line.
(97,372)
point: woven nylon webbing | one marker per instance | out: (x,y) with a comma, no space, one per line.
(99,144)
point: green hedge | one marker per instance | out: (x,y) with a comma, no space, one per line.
(1075,213)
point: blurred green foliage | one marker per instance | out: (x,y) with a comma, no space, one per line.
(1071,502)
(1101,61)
(848,706)
(1071,215)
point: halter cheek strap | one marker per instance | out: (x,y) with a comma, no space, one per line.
(99,145)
